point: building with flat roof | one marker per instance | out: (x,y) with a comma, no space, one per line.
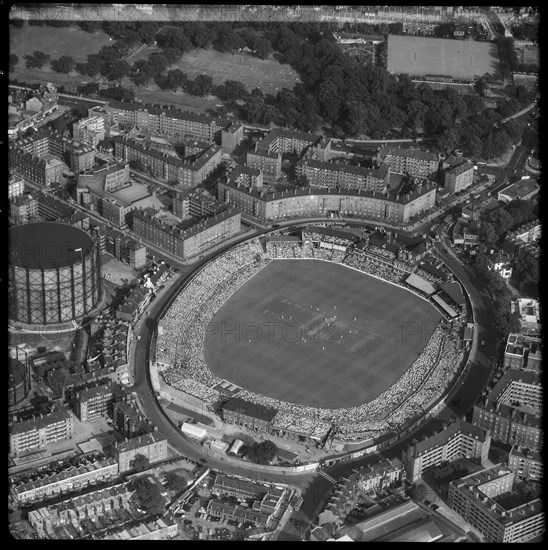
(460,439)
(523,189)
(93,403)
(90,130)
(477,498)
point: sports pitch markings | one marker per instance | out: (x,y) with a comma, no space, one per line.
(318,334)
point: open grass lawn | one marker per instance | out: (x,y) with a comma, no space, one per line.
(55,41)
(271,337)
(267,74)
(419,55)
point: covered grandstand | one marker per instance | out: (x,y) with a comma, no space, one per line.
(445,306)
(420,284)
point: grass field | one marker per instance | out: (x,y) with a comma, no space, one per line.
(267,74)
(418,56)
(55,41)
(348,360)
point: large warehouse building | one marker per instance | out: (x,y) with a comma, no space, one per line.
(54,273)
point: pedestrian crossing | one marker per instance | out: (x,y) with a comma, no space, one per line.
(328,477)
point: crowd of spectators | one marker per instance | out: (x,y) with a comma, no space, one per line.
(382,270)
(180,346)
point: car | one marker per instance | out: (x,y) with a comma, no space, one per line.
(483,342)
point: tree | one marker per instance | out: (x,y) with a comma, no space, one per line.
(262,453)
(37,59)
(176,78)
(17,23)
(159,62)
(174,38)
(140,463)
(13,60)
(117,70)
(418,492)
(147,31)
(203,84)
(64,64)
(262,48)
(136,164)
(234,90)
(176,482)
(149,495)
(141,72)
(172,54)
(89,26)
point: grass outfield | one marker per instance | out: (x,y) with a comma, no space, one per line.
(418,56)
(342,364)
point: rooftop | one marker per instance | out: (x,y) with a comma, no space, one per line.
(444,436)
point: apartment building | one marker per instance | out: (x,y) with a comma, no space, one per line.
(166,121)
(187,174)
(412,162)
(526,463)
(128,420)
(93,403)
(511,411)
(25,154)
(460,439)
(39,432)
(459,177)
(282,141)
(153,446)
(269,163)
(16,186)
(232,136)
(195,203)
(329,174)
(477,498)
(326,202)
(188,238)
(90,130)
(23,209)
